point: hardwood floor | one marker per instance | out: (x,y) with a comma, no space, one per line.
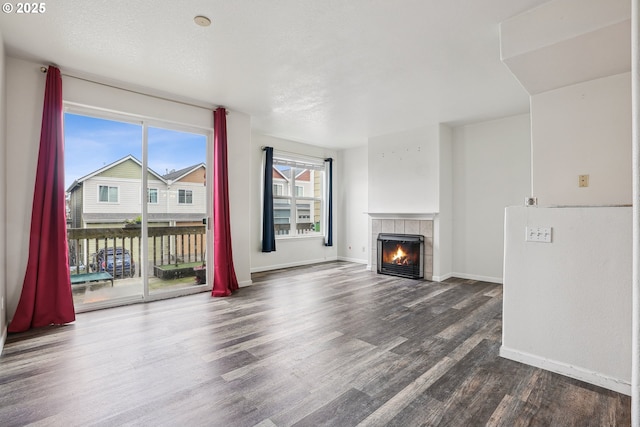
(325,345)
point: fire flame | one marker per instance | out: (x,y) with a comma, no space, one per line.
(400,257)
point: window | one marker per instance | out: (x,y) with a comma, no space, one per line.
(297,195)
(152,196)
(107,194)
(185,197)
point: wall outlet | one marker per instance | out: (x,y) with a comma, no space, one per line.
(538,234)
(583,180)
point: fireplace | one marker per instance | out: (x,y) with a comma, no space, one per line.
(401,255)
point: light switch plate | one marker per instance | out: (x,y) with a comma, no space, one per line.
(538,234)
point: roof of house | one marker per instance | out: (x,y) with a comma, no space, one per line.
(176,175)
(172,176)
(285,173)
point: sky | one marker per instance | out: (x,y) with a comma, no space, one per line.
(91,143)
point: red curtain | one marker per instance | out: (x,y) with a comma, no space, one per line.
(224,275)
(46,292)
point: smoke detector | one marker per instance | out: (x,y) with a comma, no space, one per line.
(203,21)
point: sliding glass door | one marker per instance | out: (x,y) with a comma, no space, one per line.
(136,201)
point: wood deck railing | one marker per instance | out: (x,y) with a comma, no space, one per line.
(301,228)
(166,245)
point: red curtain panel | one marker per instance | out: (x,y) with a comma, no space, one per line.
(46,297)
(224,275)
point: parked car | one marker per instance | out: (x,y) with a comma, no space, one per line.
(103,260)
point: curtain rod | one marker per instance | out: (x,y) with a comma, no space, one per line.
(44,69)
(264,147)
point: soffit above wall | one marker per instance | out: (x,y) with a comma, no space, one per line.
(565,42)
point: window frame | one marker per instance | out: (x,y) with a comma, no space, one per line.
(109,188)
(280,191)
(157,192)
(298,166)
(186,192)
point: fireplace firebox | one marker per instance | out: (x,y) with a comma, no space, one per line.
(401,255)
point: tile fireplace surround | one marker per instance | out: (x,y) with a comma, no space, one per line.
(422,227)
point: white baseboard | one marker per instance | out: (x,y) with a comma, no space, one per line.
(478,277)
(292,264)
(441,278)
(245,283)
(356,260)
(565,369)
(3,339)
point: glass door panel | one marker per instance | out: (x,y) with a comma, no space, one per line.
(103,173)
(177,203)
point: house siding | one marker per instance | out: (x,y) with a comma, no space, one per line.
(128,196)
(161,206)
(75,206)
(197,176)
(317,192)
(199,198)
(127,169)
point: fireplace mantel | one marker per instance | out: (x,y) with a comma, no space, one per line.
(404,215)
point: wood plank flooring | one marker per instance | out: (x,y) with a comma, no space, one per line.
(325,345)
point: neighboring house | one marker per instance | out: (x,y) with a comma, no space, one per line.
(304,184)
(184,195)
(112,195)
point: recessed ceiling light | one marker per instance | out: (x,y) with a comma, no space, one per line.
(203,21)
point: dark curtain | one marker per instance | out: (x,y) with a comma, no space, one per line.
(46,291)
(224,275)
(268,226)
(329,236)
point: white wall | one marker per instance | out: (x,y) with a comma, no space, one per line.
(410,173)
(3,200)
(25,91)
(352,194)
(404,171)
(567,304)
(583,129)
(491,170)
(240,193)
(289,251)
(25,94)
(443,223)
(111,99)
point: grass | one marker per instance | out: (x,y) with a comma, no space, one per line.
(171,284)
(169,267)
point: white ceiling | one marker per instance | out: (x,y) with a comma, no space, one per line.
(324,72)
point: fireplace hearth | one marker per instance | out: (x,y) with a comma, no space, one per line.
(401,255)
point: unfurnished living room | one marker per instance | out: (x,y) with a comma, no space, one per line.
(340,213)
